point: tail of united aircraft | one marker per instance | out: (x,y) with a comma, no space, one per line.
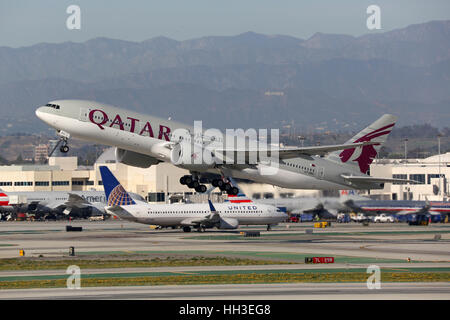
(362,157)
(115,193)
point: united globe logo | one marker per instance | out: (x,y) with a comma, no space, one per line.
(119,197)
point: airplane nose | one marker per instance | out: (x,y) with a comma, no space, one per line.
(39,112)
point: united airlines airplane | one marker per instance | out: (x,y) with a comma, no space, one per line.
(227,215)
(142,140)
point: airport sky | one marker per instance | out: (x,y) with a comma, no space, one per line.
(27,22)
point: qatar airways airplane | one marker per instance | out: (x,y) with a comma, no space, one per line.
(142,140)
(227,215)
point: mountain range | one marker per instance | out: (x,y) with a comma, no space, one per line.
(250,80)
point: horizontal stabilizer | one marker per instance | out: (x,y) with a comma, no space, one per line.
(369,179)
(120,212)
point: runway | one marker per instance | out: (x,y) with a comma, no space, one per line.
(301,291)
(396,247)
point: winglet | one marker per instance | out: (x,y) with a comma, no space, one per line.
(211,206)
(115,193)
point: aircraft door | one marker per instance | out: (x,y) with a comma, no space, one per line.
(320,173)
(84,114)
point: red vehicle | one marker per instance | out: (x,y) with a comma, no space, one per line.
(294,219)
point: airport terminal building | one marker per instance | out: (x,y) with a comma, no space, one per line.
(431,174)
(159,183)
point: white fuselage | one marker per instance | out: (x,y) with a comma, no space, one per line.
(104,124)
(167,215)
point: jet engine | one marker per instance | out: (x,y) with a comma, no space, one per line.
(135,159)
(228,223)
(192,156)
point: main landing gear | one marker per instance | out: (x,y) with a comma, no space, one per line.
(225,186)
(194,183)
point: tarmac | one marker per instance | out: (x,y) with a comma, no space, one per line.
(354,247)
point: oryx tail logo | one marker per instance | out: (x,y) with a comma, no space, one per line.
(365,155)
(119,197)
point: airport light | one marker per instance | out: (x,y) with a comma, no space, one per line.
(439,159)
(302,139)
(406,149)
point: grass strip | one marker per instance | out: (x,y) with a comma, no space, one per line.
(235,279)
(14,264)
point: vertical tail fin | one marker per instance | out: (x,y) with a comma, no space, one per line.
(115,193)
(362,157)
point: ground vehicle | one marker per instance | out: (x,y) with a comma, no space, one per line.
(359,218)
(343,218)
(96,218)
(383,218)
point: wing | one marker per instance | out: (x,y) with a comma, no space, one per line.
(289,153)
(210,219)
(406,212)
(369,179)
(75,201)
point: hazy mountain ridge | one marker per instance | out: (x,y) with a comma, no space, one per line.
(328,80)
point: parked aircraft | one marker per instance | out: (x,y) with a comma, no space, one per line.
(323,207)
(197,215)
(52,203)
(399,207)
(143,140)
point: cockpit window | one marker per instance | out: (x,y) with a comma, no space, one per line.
(54,106)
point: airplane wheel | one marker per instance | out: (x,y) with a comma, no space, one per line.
(183,180)
(227,187)
(188,180)
(220,184)
(233,191)
(187,229)
(215,183)
(64,149)
(196,184)
(201,188)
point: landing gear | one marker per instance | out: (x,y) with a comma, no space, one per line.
(64,149)
(187,229)
(201,188)
(225,186)
(193,183)
(269,227)
(64,137)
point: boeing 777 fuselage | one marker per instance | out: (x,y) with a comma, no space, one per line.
(142,140)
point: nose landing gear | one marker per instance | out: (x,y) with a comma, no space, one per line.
(64,138)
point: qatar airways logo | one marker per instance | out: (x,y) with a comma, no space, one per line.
(102,120)
(365,155)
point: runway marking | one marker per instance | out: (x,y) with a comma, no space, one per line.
(180,272)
